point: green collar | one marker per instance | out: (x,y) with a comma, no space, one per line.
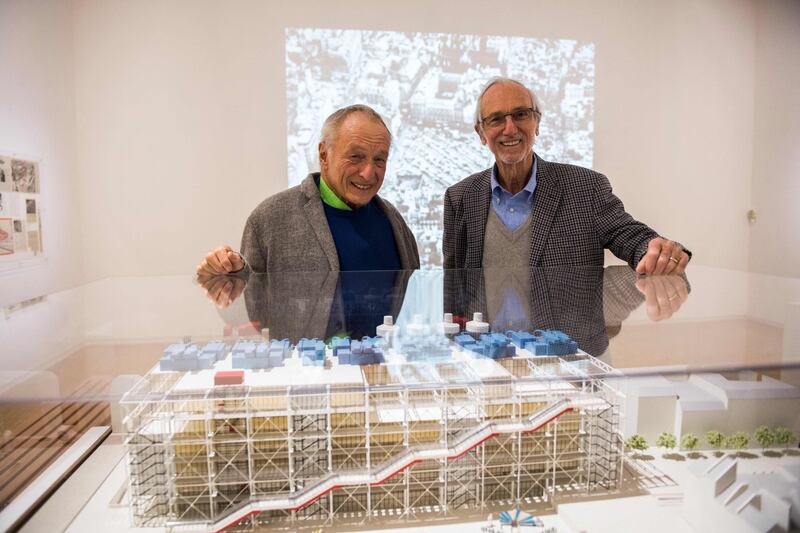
(329,197)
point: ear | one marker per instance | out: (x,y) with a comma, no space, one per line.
(323,154)
(480,133)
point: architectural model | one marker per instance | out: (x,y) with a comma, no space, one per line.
(262,431)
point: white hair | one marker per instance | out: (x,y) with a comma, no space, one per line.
(332,124)
(537,107)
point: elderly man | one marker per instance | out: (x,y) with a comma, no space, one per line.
(525,211)
(334,220)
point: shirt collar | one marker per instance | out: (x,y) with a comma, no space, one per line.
(529,187)
(329,197)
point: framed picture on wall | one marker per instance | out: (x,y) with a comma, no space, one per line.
(20,211)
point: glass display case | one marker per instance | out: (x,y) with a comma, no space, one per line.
(548,399)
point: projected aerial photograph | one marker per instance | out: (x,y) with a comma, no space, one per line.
(425,86)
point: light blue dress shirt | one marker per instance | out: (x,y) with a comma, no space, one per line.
(512,210)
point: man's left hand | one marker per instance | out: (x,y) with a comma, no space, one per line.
(663,257)
(663,295)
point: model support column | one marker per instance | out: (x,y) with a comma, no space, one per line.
(444,439)
(290,442)
(329,431)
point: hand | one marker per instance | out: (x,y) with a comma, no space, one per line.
(663,295)
(222,290)
(220,260)
(663,257)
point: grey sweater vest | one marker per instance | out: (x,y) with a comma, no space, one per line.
(503,248)
(506,273)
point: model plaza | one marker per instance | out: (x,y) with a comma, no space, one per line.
(252,430)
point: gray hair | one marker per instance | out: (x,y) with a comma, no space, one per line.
(502,80)
(332,124)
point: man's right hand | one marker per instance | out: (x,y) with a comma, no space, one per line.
(220,260)
(222,290)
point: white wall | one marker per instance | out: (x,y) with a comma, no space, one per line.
(181,110)
(775,236)
(37,120)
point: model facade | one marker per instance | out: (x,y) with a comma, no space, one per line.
(302,435)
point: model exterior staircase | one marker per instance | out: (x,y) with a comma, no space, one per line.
(376,476)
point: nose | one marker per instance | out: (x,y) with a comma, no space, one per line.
(509,127)
(368,170)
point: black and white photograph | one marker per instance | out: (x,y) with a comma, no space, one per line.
(5,207)
(5,173)
(30,206)
(424,84)
(25,176)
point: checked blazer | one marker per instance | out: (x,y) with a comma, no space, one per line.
(575,216)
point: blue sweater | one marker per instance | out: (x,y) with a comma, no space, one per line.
(364,241)
(364,238)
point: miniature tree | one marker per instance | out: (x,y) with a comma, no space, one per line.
(690,441)
(636,442)
(738,440)
(764,436)
(784,436)
(715,439)
(666,440)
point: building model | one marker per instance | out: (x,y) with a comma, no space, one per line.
(264,432)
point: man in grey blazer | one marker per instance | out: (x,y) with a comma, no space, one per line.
(334,220)
(528,212)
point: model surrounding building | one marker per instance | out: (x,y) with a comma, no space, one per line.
(703,402)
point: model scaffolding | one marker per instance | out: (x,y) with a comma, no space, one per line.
(308,437)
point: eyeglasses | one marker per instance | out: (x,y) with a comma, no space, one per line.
(520,115)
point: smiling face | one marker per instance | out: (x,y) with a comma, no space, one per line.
(354,164)
(511,143)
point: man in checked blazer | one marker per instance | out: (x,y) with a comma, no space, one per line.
(528,212)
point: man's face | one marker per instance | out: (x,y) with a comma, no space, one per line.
(511,142)
(355,163)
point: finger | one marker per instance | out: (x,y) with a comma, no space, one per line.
(682,288)
(201,268)
(648,262)
(660,292)
(665,297)
(678,292)
(205,268)
(224,299)
(684,260)
(221,256)
(237,262)
(664,254)
(213,289)
(238,287)
(647,288)
(210,264)
(676,253)
(204,279)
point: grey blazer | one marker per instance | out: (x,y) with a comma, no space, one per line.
(575,216)
(288,232)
